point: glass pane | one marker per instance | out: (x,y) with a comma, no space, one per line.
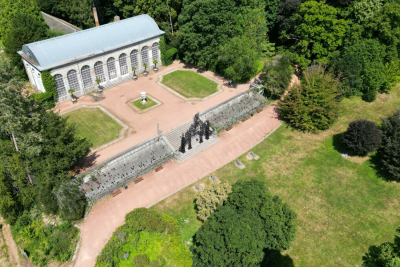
(86,77)
(123,65)
(60,86)
(134,59)
(145,55)
(154,51)
(73,80)
(112,72)
(98,70)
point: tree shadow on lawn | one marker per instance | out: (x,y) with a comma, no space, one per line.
(374,160)
(339,146)
(377,165)
(274,258)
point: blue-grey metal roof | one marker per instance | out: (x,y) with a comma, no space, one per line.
(64,49)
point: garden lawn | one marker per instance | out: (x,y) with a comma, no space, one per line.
(95,125)
(190,84)
(138,103)
(343,206)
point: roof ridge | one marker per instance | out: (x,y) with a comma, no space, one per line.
(86,30)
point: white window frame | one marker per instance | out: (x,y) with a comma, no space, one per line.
(99,71)
(60,86)
(123,65)
(72,77)
(86,77)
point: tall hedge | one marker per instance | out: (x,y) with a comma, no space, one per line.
(167,56)
(163,50)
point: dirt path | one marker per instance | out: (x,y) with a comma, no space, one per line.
(11,246)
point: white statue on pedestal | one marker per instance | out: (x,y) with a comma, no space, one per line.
(143,96)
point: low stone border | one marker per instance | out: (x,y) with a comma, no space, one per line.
(219,85)
(140,111)
(121,133)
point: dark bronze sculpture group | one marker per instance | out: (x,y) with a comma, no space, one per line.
(198,127)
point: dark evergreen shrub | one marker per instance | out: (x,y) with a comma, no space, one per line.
(362,137)
(389,153)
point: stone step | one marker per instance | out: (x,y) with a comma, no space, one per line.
(197,148)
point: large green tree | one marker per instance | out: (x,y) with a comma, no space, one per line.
(205,25)
(9,9)
(23,29)
(43,147)
(60,151)
(239,233)
(389,153)
(312,105)
(238,69)
(318,32)
(77,12)
(19,117)
(276,76)
(385,255)
(361,68)
(383,25)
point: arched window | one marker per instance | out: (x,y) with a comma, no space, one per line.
(72,78)
(123,65)
(86,77)
(145,55)
(134,59)
(98,70)
(154,51)
(112,72)
(60,86)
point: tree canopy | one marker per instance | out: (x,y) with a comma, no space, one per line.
(238,69)
(238,233)
(318,32)
(276,76)
(22,29)
(312,106)
(389,153)
(148,238)
(385,255)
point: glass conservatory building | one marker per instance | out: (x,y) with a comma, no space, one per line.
(107,52)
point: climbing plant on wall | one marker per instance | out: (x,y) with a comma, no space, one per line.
(48,98)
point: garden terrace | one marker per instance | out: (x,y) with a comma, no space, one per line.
(234,109)
(124,168)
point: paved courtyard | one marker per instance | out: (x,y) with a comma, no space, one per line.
(173,112)
(109,213)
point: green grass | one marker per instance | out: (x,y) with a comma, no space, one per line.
(95,125)
(138,103)
(343,206)
(190,84)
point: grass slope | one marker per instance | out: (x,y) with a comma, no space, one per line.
(95,125)
(138,104)
(343,206)
(189,84)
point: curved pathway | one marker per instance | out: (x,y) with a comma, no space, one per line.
(109,213)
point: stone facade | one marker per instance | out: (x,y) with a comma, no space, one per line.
(115,65)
